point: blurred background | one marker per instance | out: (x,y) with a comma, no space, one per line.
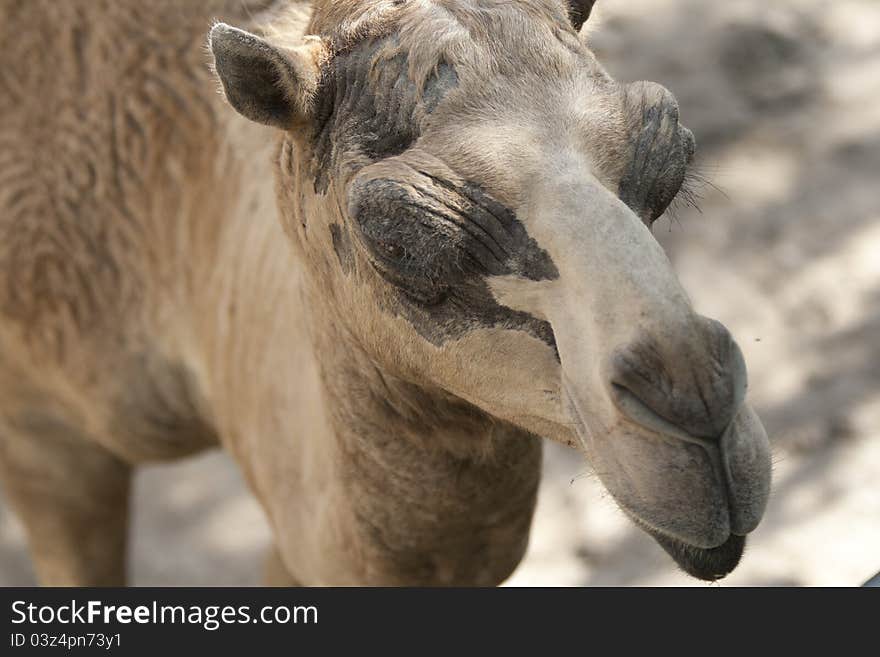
(784,99)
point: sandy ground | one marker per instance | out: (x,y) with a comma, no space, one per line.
(784,98)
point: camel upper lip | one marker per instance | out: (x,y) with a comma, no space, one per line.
(582,430)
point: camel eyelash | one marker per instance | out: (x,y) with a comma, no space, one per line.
(693,191)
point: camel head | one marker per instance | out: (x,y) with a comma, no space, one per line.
(474,195)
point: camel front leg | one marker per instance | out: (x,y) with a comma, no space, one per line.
(72,497)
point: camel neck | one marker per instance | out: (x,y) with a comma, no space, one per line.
(438,492)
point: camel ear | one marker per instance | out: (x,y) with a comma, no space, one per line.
(579,11)
(265,83)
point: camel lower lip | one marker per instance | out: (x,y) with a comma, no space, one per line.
(707,564)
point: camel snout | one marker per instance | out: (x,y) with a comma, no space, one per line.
(690,385)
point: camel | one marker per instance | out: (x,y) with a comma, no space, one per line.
(406,243)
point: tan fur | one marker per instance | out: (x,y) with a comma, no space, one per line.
(119,196)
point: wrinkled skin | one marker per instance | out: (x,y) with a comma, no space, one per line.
(495,206)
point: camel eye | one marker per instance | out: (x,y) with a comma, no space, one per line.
(391,250)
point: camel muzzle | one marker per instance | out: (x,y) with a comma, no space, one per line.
(691,387)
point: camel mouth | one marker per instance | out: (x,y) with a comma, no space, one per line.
(723,548)
(707,564)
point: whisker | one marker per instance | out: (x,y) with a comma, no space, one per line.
(692,193)
(586,474)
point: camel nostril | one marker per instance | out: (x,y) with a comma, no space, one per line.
(691,387)
(636,410)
